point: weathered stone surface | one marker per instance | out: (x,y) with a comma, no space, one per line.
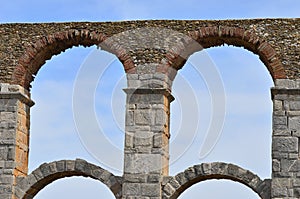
(285,144)
(294,123)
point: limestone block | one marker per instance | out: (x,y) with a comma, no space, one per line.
(150,190)
(133,189)
(142,163)
(143,138)
(295,105)
(294,123)
(280,120)
(280,187)
(143,117)
(285,144)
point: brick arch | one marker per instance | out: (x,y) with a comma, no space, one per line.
(37,53)
(176,185)
(217,36)
(27,187)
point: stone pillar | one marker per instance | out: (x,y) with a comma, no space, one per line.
(14,136)
(285,139)
(146,153)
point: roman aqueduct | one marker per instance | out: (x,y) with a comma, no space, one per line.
(24,48)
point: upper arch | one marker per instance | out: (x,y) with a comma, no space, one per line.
(219,35)
(44,48)
(27,187)
(177,184)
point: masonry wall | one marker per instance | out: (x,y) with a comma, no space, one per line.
(150,69)
(285,140)
(14,136)
(15,39)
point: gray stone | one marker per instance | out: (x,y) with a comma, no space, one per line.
(129,139)
(280,120)
(133,189)
(150,190)
(285,144)
(277,105)
(143,117)
(294,123)
(143,138)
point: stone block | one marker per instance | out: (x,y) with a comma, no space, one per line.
(275,165)
(294,167)
(293,113)
(143,117)
(277,106)
(161,117)
(190,173)
(295,105)
(142,163)
(129,120)
(279,120)
(38,174)
(3,152)
(168,189)
(181,178)
(81,165)
(105,175)
(150,190)
(285,144)
(280,187)
(129,140)
(5,189)
(70,165)
(281,132)
(143,138)
(135,178)
(60,165)
(287,165)
(154,178)
(133,189)
(6,179)
(294,123)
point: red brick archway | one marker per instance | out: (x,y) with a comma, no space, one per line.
(44,48)
(217,36)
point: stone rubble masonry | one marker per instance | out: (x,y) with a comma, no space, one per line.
(25,47)
(285,142)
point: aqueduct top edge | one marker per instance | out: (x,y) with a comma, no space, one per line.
(283,35)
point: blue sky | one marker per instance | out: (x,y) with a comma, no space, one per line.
(245,139)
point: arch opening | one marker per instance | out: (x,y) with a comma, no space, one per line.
(75,188)
(54,131)
(176,185)
(27,187)
(45,47)
(248,118)
(220,35)
(217,189)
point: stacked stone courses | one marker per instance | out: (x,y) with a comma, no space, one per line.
(151,53)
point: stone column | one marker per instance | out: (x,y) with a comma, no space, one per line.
(146,153)
(14,136)
(285,139)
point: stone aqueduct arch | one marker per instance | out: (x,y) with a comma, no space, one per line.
(25,48)
(177,184)
(27,187)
